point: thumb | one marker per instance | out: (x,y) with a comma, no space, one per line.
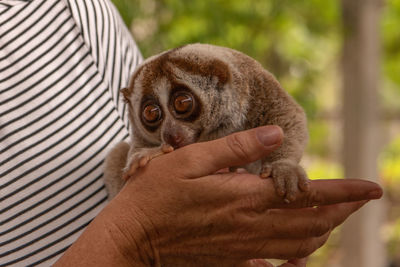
(237,149)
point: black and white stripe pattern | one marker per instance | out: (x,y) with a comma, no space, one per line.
(62,64)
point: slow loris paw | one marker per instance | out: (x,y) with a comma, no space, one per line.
(288,178)
(140,158)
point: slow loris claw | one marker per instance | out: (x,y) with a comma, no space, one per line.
(143,156)
(289,178)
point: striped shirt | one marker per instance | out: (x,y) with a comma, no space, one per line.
(62,63)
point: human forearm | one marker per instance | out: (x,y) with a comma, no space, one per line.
(104,244)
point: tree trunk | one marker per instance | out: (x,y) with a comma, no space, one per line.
(361,242)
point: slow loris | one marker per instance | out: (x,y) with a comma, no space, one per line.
(201,92)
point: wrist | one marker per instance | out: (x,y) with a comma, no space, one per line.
(111,239)
(125,230)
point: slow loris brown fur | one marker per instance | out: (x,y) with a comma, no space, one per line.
(201,92)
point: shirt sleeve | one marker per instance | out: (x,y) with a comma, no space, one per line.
(62,63)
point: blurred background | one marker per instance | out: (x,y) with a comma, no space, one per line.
(341,61)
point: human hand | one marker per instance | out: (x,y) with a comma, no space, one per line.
(177,211)
(190,214)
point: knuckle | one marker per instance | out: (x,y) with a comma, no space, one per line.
(306,248)
(309,245)
(302,173)
(187,158)
(185,155)
(238,147)
(313,198)
(319,227)
(254,204)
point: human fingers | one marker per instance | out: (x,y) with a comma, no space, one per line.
(253,194)
(327,192)
(279,248)
(309,222)
(237,149)
(292,248)
(250,194)
(321,192)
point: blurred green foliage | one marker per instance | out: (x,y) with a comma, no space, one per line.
(391,54)
(299,42)
(390,163)
(393,240)
(282,35)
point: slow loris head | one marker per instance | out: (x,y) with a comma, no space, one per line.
(202,92)
(185,95)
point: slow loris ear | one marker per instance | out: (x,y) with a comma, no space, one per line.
(126,93)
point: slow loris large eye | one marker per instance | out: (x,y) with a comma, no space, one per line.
(151,113)
(183,103)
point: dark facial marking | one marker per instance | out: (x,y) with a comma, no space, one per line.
(210,68)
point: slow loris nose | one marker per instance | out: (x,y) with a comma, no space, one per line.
(176,140)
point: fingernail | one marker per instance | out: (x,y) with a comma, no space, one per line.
(269,136)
